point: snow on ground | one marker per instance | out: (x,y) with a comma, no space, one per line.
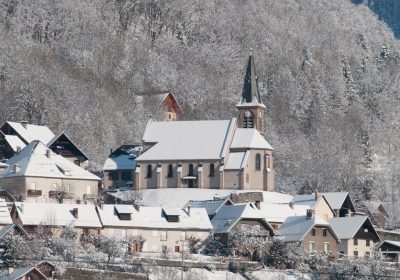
(179,197)
(169,273)
(277,274)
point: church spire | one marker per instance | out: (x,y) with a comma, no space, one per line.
(251,109)
(250,93)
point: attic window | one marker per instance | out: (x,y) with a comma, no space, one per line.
(123,212)
(171,215)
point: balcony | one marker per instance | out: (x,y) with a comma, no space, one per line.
(34,192)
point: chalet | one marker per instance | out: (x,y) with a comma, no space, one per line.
(15,136)
(230,216)
(219,154)
(23,273)
(317,203)
(314,234)
(119,168)
(161,229)
(357,234)
(47,269)
(52,217)
(212,206)
(160,105)
(38,174)
(341,203)
(390,249)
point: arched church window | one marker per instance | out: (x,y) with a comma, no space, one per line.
(248,121)
(258,162)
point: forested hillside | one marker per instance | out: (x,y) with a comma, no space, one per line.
(387,10)
(328,73)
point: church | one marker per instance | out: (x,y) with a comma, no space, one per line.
(211,154)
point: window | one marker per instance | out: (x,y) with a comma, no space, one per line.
(170,171)
(258,162)
(367,254)
(77,162)
(33,186)
(163,235)
(311,246)
(176,249)
(247,178)
(324,232)
(126,175)
(355,241)
(149,171)
(326,248)
(212,170)
(190,173)
(368,242)
(355,254)
(267,162)
(313,232)
(114,175)
(248,120)
(87,189)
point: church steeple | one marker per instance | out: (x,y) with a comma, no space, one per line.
(250,93)
(251,109)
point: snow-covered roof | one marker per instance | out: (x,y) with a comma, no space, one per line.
(212,206)
(3,165)
(54,214)
(14,141)
(33,161)
(391,242)
(229,215)
(153,217)
(121,162)
(278,213)
(5,217)
(249,138)
(18,273)
(33,132)
(294,229)
(8,228)
(58,136)
(187,140)
(335,199)
(347,227)
(177,197)
(236,160)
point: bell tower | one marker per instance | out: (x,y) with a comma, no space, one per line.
(251,109)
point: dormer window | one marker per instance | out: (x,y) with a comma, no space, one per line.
(171,214)
(124,212)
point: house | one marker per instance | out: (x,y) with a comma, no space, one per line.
(340,202)
(12,229)
(14,136)
(38,174)
(314,234)
(377,212)
(5,218)
(52,217)
(218,154)
(162,229)
(317,203)
(23,273)
(212,206)
(160,105)
(390,249)
(231,216)
(119,167)
(357,234)
(47,269)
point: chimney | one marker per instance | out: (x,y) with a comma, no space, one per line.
(310,213)
(75,213)
(136,206)
(10,269)
(48,153)
(316,195)
(291,204)
(22,208)
(15,168)
(258,204)
(24,124)
(18,149)
(188,211)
